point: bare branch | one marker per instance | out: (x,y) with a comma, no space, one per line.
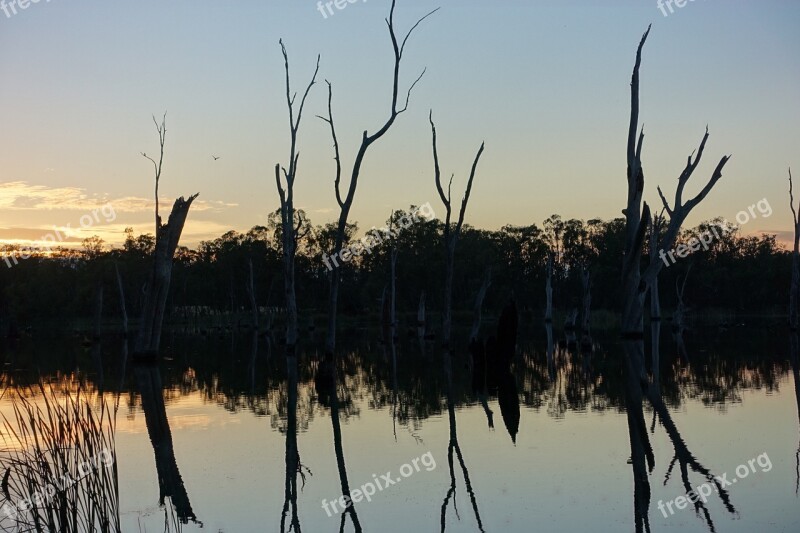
(469,188)
(408,95)
(403,46)
(398,54)
(634,122)
(336,155)
(689,170)
(162,136)
(715,177)
(664,201)
(437,172)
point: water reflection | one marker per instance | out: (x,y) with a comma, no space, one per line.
(327,390)
(170,482)
(637,388)
(542,376)
(294,467)
(452,447)
(794,357)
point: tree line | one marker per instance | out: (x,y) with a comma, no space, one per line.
(215,274)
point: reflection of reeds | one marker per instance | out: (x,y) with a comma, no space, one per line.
(59,455)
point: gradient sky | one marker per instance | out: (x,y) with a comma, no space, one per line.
(545,84)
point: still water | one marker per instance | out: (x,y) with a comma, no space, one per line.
(223,435)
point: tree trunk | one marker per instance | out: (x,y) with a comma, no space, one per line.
(447,312)
(655,301)
(421,316)
(251,293)
(476,322)
(393,315)
(123,309)
(795,288)
(98,311)
(586,282)
(548,288)
(155,298)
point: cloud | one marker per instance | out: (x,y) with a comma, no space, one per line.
(19,195)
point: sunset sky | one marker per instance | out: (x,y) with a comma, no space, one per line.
(544,84)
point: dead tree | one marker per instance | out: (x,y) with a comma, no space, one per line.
(167,237)
(288,229)
(367,140)
(451,234)
(794,290)
(636,283)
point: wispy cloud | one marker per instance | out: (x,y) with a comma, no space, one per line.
(20,195)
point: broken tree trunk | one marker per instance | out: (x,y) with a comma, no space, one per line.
(794,289)
(155,298)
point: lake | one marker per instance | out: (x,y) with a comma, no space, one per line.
(224,433)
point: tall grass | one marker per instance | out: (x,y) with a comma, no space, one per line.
(59,463)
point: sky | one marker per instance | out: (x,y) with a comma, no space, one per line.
(544,83)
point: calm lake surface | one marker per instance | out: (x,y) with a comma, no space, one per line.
(209,432)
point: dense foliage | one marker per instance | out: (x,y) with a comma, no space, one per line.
(745,274)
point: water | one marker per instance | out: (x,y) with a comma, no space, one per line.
(562,453)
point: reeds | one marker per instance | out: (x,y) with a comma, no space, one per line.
(59,462)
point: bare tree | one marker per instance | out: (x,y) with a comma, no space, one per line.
(288,228)
(794,290)
(635,284)
(451,234)
(367,140)
(167,237)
